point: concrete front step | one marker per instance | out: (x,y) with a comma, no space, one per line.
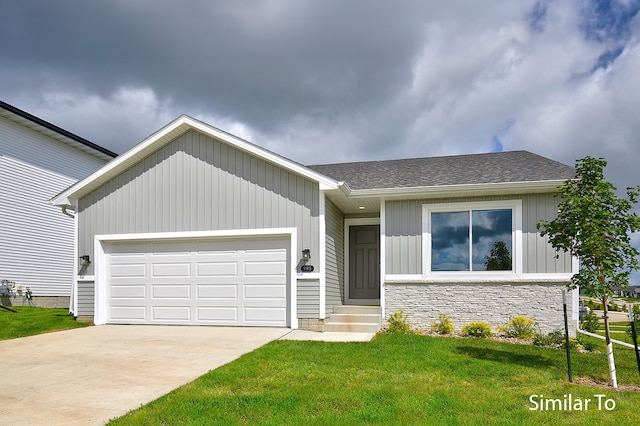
(365,318)
(356,309)
(354,319)
(351,327)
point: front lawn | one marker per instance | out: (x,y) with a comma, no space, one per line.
(31,320)
(400,379)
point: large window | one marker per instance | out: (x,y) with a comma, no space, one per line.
(476,237)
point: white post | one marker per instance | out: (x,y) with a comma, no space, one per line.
(612,365)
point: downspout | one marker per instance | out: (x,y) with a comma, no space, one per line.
(65,212)
(73,296)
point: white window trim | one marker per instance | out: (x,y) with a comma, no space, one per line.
(516,243)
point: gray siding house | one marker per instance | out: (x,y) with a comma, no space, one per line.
(196,226)
(38,159)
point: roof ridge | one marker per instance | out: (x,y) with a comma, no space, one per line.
(426,157)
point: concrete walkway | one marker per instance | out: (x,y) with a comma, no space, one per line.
(328,336)
(90,375)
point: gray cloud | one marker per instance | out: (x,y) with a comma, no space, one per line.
(323,81)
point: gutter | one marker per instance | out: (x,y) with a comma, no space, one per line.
(421,191)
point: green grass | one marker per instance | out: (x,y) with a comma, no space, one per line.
(31,320)
(396,379)
(619,331)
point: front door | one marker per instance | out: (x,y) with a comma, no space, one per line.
(364,264)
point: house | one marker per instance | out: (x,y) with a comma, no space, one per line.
(38,159)
(197,226)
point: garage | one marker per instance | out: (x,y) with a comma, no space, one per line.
(197,281)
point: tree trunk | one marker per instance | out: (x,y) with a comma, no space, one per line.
(607,336)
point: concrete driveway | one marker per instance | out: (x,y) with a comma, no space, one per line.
(90,375)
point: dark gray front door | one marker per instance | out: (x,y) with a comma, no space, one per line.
(364,262)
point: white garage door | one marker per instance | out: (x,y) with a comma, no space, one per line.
(223,282)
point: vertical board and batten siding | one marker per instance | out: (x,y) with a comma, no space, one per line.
(539,255)
(334,278)
(36,239)
(196,183)
(403,237)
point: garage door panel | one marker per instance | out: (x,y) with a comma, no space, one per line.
(171,270)
(218,315)
(128,292)
(171,313)
(217,269)
(265,315)
(230,282)
(126,270)
(265,268)
(175,291)
(217,291)
(128,313)
(264,291)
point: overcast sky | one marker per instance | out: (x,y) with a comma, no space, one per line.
(323,81)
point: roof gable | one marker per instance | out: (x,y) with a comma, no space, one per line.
(167,134)
(472,169)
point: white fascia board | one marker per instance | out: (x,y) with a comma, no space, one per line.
(449,190)
(168,133)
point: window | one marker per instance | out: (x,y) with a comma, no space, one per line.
(474,237)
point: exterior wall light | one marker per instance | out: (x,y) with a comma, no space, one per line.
(306,254)
(85,260)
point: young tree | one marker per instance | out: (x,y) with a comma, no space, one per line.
(594,224)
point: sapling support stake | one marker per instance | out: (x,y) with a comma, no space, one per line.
(634,335)
(566,334)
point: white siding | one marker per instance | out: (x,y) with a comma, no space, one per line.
(36,239)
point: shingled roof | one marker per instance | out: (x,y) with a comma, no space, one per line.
(499,167)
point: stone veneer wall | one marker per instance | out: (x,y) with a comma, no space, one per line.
(492,302)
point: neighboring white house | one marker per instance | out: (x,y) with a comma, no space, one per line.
(37,161)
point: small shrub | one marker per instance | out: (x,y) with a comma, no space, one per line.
(443,325)
(477,329)
(586,344)
(520,327)
(590,322)
(573,343)
(554,339)
(398,323)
